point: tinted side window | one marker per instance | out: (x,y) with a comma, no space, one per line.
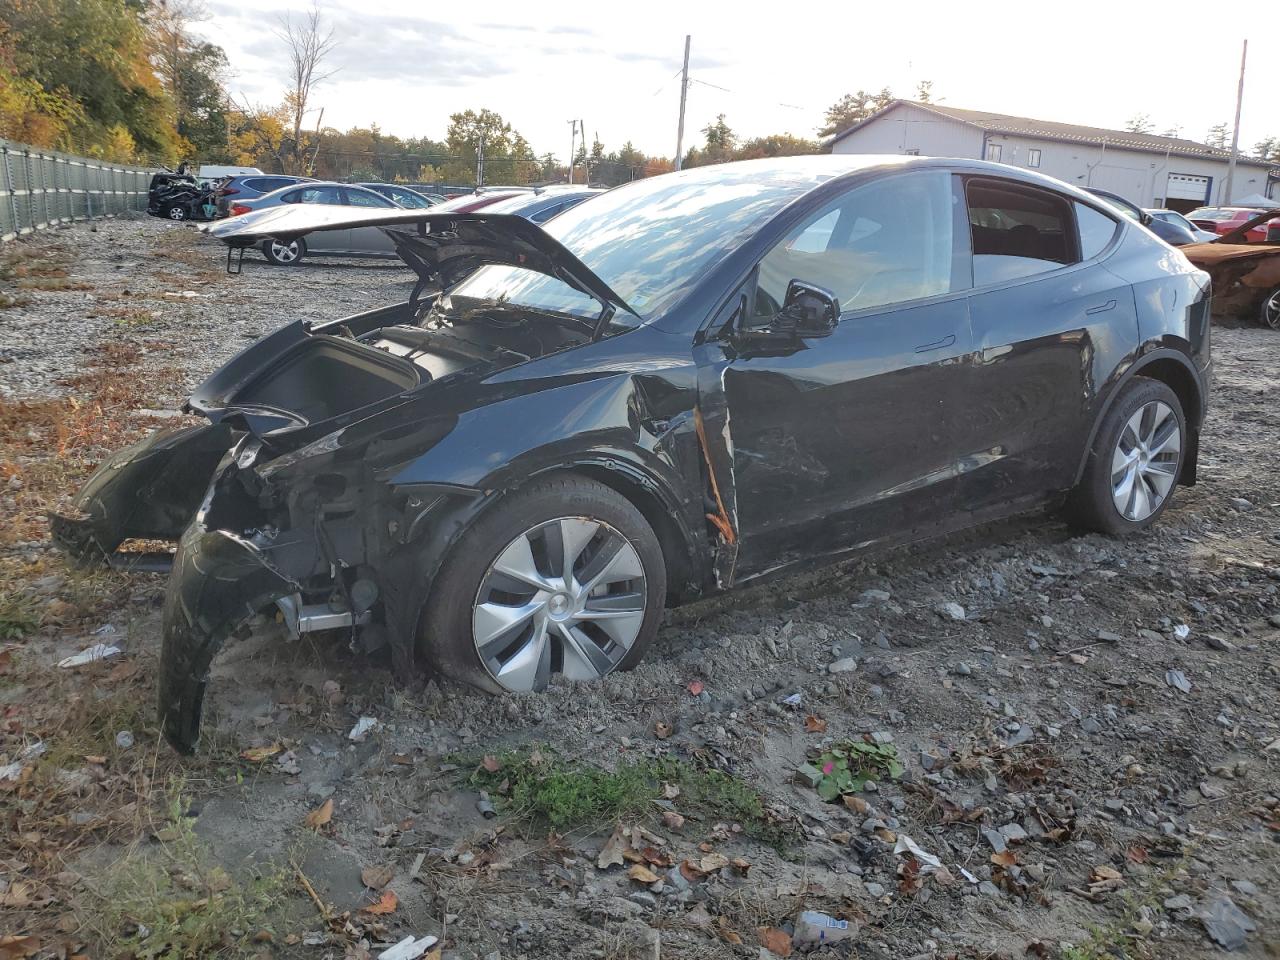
(1096,230)
(1017,231)
(367,198)
(408,199)
(887,242)
(319,195)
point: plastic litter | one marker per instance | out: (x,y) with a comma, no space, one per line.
(409,948)
(816,927)
(11,771)
(906,845)
(485,806)
(362,728)
(99,651)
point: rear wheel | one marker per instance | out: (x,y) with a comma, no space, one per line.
(565,577)
(1269,311)
(284,254)
(1135,462)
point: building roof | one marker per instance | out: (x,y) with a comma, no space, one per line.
(1067,132)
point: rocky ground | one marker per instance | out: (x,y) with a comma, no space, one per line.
(1064,746)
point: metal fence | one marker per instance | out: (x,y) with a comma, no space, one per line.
(39,188)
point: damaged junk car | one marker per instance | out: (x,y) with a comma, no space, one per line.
(686,385)
(1245,270)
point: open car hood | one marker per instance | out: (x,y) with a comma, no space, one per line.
(443,247)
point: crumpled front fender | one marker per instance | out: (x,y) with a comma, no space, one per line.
(147,491)
(219,580)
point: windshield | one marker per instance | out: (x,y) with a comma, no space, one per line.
(653,239)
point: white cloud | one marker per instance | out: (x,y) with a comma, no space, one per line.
(772,68)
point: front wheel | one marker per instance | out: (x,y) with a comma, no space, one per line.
(1135,461)
(563,577)
(1269,311)
(284,254)
(176,213)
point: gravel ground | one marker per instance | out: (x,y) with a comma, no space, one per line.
(1089,727)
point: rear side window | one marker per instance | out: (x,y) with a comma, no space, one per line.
(1096,231)
(367,198)
(408,199)
(318,195)
(1018,231)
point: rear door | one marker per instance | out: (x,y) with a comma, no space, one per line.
(327,241)
(368,239)
(1050,323)
(846,439)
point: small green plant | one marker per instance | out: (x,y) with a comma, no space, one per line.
(538,785)
(848,765)
(18,616)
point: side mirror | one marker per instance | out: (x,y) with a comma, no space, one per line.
(1146,218)
(808,311)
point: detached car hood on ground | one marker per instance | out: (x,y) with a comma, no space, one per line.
(441,247)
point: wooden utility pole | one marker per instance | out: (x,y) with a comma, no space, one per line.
(684,93)
(1235,131)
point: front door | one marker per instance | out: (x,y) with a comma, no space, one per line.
(844,440)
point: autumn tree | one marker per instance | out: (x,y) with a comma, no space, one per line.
(853,108)
(508,158)
(192,71)
(83,68)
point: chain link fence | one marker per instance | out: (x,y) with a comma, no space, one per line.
(39,188)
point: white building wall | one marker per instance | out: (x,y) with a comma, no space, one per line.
(908,129)
(1135,175)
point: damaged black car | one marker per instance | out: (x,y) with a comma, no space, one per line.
(682,386)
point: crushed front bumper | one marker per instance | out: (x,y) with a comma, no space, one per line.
(219,580)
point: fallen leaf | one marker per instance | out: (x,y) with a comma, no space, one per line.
(662,730)
(1078,660)
(670,790)
(318,817)
(777,942)
(387,903)
(713,862)
(491,763)
(727,933)
(6,664)
(258,754)
(642,874)
(814,724)
(672,820)
(856,804)
(377,876)
(1136,854)
(741,865)
(1104,872)
(1006,858)
(611,853)
(691,871)
(95,759)
(696,687)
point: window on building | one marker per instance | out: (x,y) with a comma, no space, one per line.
(912,152)
(1033,157)
(1096,230)
(993,152)
(1017,231)
(884,243)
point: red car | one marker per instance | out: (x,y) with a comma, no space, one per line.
(470,202)
(1223,220)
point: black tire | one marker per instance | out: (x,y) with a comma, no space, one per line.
(276,253)
(175,213)
(1269,309)
(445,637)
(1092,504)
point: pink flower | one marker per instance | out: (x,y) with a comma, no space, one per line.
(828,767)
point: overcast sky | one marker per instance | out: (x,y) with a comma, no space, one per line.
(769,68)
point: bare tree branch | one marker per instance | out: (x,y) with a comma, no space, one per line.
(308,42)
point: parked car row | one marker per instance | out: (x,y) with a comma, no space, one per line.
(685,385)
(537,205)
(1224,220)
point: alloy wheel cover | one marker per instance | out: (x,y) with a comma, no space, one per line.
(566,596)
(1144,463)
(287,252)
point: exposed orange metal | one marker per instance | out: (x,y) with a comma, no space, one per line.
(719,520)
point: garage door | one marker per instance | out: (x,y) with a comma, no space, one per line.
(1184,187)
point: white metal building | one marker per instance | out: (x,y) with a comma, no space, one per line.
(1149,170)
